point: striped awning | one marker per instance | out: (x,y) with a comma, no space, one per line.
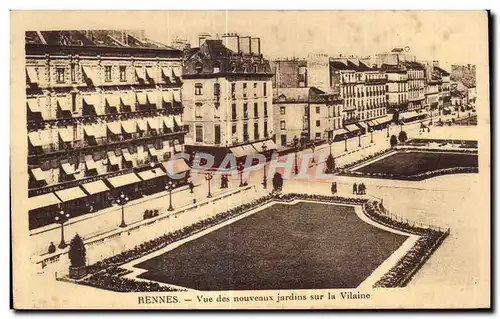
(63,104)
(91,99)
(178,120)
(150,73)
(150,174)
(70,194)
(115,128)
(33,105)
(166,72)
(142,98)
(167,96)
(153,123)
(44,200)
(152,97)
(168,122)
(140,73)
(141,125)
(362,124)
(113,100)
(93,131)
(177,96)
(66,134)
(126,100)
(129,126)
(95,187)
(89,73)
(123,180)
(32,75)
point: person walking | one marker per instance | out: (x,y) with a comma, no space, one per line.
(355,189)
(334,187)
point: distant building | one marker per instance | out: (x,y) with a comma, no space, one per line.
(318,72)
(306,114)
(227,94)
(464,73)
(289,73)
(104,113)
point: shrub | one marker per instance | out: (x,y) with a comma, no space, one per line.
(77,254)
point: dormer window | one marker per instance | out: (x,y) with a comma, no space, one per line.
(233,67)
(255,68)
(198,67)
(216,68)
(245,68)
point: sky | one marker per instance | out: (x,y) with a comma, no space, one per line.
(448,36)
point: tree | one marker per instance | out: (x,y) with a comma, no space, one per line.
(277,181)
(394,141)
(402,137)
(76,253)
(330,164)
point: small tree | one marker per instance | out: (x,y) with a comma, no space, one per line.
(330,164)
(277,181)
(394,141)
(402,137)
(76,253)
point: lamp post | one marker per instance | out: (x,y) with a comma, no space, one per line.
(359,139)
(169,187)
(296,160)
(264,181)
(388,130)
(241,167)
(371,135)
(208,178)
(330,142)
(312,146)
(61,218)
(345,144)
(122,200)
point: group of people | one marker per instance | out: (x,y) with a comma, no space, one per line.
(359,189)
(224,181)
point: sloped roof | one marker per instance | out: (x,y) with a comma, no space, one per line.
(442,71)
(292,94)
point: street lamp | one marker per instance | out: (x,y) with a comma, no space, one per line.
(61,218)
(241,167)
(264,182)
(359,139)
(371,135)
(169,187)
(208,178)
(312,146)
(345,144)
(122,200)
(330,142)
(296,160)
(388,130)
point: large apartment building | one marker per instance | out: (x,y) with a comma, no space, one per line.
(104,113)
(289,73)
(227,95)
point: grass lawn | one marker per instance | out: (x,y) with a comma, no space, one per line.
(302,246)
(411,163)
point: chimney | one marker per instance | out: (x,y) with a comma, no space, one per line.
(245,44)
(231,41)
(255,46)
(202,37)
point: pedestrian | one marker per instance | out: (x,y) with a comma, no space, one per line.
(334,187)
(364,188)
(52,248)
(355,189)
(428,130)
(191,186)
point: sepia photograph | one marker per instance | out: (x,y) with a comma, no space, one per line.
(250,159)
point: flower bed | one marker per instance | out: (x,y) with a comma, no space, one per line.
(415,177)
(343,169)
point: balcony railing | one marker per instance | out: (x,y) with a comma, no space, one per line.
(53,148)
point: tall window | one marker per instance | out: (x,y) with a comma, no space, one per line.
(265,89)
(255,90)
(123,73)
(255,110)
(317,110)
(234,129)
(107,73)
(244,90)
(318,123)
(216,89)
(233,111)
(73,72)
(233,90)
(198,89)
(245,110)
(217,133)
(73,102)
(282,125)
(282,110)
(256,131)
(266,132)
(265,109)
(216,110)
(199,133)
(245,132)
(197,110)
(60,75)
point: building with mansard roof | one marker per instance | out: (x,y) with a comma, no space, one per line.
(104,114)
(227,95)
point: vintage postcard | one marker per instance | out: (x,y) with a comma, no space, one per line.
(250,159)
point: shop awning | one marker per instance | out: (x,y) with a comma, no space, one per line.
(93,132)
(115,128)
(126,155)
(90,163)
(113,100)
(70,194)
(175,166)
(44,200)
(168,122)
(150,174)
(68,169)
(238,151)
(351,128)
(258,146)
(178,121)
(91,99)
(38,174)
(126,100)
(140,73)
(129,126)
(123,180)
(153,124)
(66,134)
(89,73)
(34,139)
(409,115)
(153,151)
(176,72)
(340,132)
(95,187)
(385,119)
(141,125)
(33,105)
(166,72)
(363,125)
(248,148)
(152,97)
(63,104)
(113,159)
(177,96)
(142,99)
(32,75)
(376,122)
(271,145)
(150,73)
(370,123)
(167,96)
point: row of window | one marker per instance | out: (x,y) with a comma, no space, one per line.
(234,114)
(199,136)
(350,91)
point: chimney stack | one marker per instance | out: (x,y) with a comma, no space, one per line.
(231,41)
(245,45)
(202,37)
(255,46)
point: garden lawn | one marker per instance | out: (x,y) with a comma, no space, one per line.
(302,246)
(411,163)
